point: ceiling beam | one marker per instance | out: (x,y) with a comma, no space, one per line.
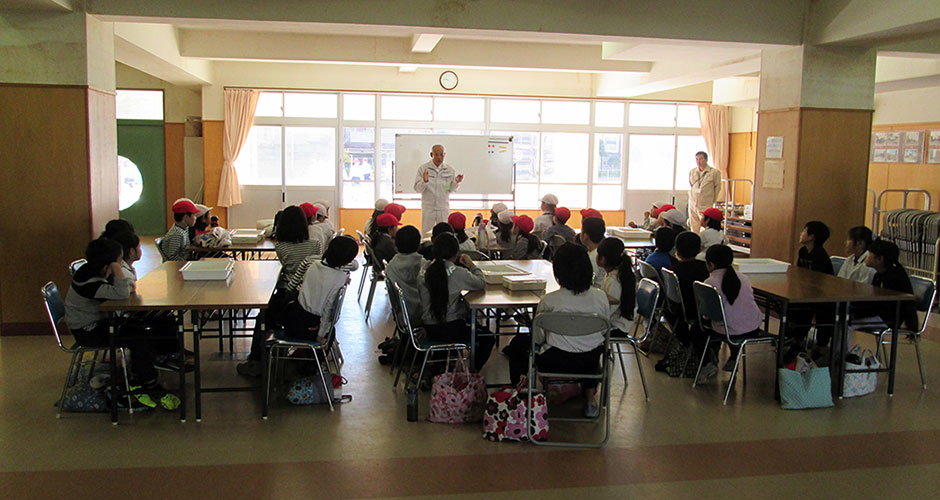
(396,51)
(153,49)
(673,76)
(872,23)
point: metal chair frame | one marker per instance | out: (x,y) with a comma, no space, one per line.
(282,342)
(378,274)
(157,242)
(363,239)
(475,254)
(573,325)
(711,307)
(403,319)
(673,293)
(55,309)
(926,292)
(75,265)
(647,295)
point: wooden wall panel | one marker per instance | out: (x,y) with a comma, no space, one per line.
(173,135)
(775,209)
(102,159)
(833,172)
(46,168)
(741,155)
(212,133)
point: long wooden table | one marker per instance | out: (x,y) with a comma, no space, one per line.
(262,250)
(800,286)
(164,289)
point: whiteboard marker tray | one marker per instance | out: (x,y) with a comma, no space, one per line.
(494,272)
(207,270)
(761,266)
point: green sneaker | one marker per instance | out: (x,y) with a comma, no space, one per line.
(170,402)
(143,399)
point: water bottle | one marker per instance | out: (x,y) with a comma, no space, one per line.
(412,404)
(481,234)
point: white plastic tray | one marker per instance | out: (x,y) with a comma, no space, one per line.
(494,271)
(629,233)
(207,270)
(761,266)
(247,236)
(517,283)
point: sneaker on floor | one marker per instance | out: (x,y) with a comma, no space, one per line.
(708,371)
(592,409)
(249,368)
(729,365)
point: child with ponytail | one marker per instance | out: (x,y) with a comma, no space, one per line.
(741,312)
(440,285)
(619,284)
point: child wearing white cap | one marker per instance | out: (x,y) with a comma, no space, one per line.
(544,221)
(380,205)
(322,229)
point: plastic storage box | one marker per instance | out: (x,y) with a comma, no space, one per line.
(761,266)
(519,283)
(247,236)
(207,270)
(494,271)
(629,233)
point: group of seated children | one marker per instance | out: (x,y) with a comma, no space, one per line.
(109,274)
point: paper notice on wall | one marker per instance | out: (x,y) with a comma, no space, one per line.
(774,147)
(773,174)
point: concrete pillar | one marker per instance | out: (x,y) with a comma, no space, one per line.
(58,176)
(820,101)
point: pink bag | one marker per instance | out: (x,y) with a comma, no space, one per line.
(561,390)
(505,416)
(457,397)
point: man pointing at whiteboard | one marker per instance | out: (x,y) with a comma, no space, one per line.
(435,181)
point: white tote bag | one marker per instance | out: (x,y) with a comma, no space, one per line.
(860,384)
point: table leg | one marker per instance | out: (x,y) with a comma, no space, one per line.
(781,336)
(112,352)
(197,382)
(180,338)
(894,347)
(473,339)
(840,334)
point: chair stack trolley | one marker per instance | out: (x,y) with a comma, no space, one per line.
(915,232)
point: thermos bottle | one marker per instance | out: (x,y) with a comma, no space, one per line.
(412,404)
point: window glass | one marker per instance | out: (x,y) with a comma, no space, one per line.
(259,161)
(310,154)
(651,162)
(569,195)
(455,109)
(403,107)
(269,104)
(652,115)
(688,116)
(686,147)
(358,194)
(359,153)
(457,132)
(608,157)
(139,104)
(514,111)
(564,157)
(568,112)
(608,114)
(527,196)
(305,105)
(606,196)
(358,107)
(525,154)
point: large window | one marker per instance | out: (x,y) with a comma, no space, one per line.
(588,153)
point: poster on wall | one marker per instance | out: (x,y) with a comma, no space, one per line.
(773,174)
(892,139)
(933,147)
(891,155)
(879,156)
(880,139)
(913,146)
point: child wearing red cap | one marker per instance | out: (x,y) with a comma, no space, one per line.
(458,222)
(174,243)
(386,225)
(560,227)
(711,230)
(527,245)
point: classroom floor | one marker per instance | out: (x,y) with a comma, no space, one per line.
(682,443)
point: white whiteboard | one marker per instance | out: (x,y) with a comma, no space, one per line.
(485,162)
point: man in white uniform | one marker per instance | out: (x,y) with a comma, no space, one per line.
(435,181)
(705,183)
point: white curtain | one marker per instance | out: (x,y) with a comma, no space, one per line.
(240,107)
(715,127)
